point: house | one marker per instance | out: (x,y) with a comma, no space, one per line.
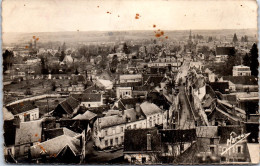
(175,142)
(142,146)
(241,70)
(63,149)
(165,62)
(233,144)
(153,114)
(109,130)
(28,134)
(91,100)
(67,108)
(241,83)
(26,111)
(208,138)
(223,52)
(55,132)
(127,78)
(222,87)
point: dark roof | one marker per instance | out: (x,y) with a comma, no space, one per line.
(78,78)
(130,84)
(136,140)
(90,97)
(155,80)
(225,50)
(69,105)
(52,133)
(21,107)
(219,86)
(244,80)
(174,136)
(87,97)
(225,131)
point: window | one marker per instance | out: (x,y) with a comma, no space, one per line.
(181,147)
(105,132)
(88,105)
(122,139)
(211,141)
(133,159)
(128,127)
(113,131)
(111,142)
(106,142)
(212,149)
(122,129)
(239,149)
(143,159)
(134,126)
(27,117)
(26,149)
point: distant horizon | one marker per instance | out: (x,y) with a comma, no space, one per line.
(132,30)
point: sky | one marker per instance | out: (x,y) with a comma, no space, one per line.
(91,15)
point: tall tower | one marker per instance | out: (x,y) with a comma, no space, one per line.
(190,37)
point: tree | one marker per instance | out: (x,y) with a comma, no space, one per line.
(53,85)
(235,38)
(125,49)
(114,63)
(242,39)
(8,57)
(246,60)
(254,60)
(63,47)
(62,56)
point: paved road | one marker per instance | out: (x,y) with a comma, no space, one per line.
(186,119)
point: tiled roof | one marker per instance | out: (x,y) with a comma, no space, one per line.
(244,80)
(207,131)
(7,115)
(88,115)
(109,121)
(69,104)
(52,133)
(136,140)
(55,146)
(150,108)
(21,107)
(225,50)
(174,136)
(91,97)
(28,132)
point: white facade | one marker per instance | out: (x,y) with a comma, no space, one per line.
(241,70)
(154,119)
(114,135)
(31,115)
(121,92)
(92,103)
(201,92)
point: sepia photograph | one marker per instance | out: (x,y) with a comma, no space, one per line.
(130,82)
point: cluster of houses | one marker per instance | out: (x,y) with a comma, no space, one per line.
(157,112)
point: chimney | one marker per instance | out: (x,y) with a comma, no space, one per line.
(149,142)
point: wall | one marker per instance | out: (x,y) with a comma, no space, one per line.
(34,114)
(138,157)
(121,91)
